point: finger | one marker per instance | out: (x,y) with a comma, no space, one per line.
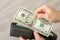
(36,35)
(21,38)
(40,16)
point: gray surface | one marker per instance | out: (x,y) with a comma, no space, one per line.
(8,9)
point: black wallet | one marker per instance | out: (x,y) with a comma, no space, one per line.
(17,31)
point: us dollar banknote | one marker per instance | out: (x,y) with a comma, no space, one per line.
(27,19)
(42,26)
(24,16)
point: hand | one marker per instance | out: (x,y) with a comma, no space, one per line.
(47,13)
(37,37)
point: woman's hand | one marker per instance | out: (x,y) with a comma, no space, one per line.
(47,13)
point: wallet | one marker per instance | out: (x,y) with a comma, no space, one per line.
(18,30)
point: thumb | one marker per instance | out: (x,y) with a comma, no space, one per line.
(37,36)
(21,38)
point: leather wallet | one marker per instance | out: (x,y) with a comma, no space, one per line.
(17,31)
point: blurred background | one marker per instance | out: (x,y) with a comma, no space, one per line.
(8,9)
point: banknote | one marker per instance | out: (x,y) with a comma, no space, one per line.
(27,19)
(24,16)
(42,26)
